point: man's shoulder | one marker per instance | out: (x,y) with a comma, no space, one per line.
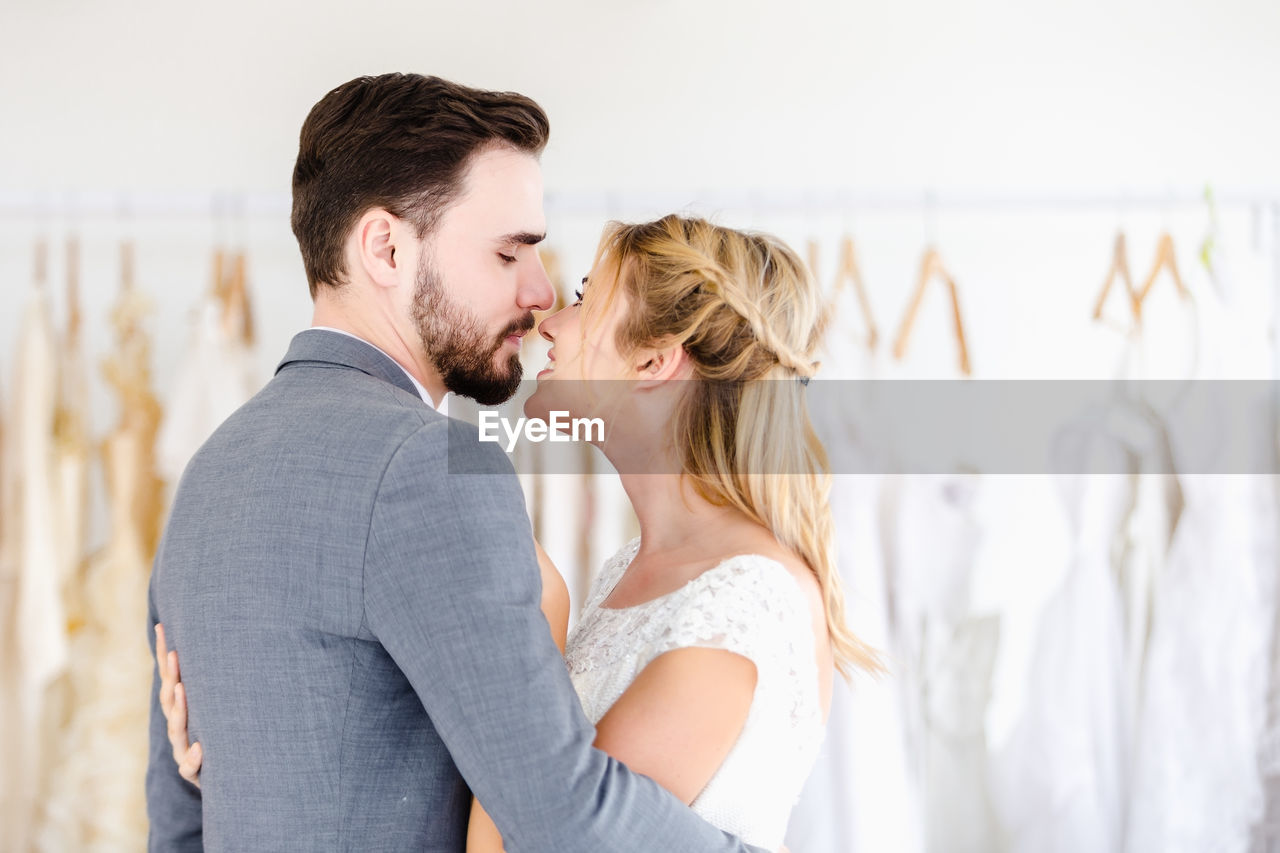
(321,422)
(454,446)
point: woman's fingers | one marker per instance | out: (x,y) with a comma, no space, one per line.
(166,680)
(173,701)
(178,725)
(189,767)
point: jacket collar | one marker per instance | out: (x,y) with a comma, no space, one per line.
(321,345)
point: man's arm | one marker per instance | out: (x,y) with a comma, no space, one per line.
(482,835)
(173,804)
(452,593)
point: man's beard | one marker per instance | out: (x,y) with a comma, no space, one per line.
(456,344)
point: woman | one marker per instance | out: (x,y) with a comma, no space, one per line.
(705,650)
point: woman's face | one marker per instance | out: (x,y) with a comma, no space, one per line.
(584,370)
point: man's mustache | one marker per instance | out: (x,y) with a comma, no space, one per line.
(519,327)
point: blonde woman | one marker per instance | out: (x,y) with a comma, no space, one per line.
(706,647)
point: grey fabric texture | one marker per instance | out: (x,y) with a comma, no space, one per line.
(361,640)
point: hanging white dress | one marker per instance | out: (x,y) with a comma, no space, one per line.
(861,795)
(72,456)
(215,378)
(947,651)
(1197,784)
(1063,776)
(38,644)
(97,801)
(944,640)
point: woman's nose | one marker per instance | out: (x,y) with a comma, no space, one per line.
(547,327)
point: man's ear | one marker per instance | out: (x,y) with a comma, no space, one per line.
(376,234)
(657,365)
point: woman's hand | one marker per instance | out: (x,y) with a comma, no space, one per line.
(173,701)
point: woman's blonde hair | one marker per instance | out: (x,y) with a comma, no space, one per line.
(748,314)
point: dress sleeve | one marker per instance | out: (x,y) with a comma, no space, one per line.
(750,606)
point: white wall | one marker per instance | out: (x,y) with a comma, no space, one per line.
(666,93)
(985,97)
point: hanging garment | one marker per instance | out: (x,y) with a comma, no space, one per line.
(1197,784)
(10,715)
(1196,781)
(947,651)
(1266,831)
(215,378)
(38,647)
(1062,777)
(861,795)
(71,463)
(97,801)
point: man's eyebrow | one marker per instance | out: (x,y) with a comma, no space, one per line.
(523,238)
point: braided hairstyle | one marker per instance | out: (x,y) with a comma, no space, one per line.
(749,316)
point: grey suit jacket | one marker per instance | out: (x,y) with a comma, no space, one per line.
(361,641)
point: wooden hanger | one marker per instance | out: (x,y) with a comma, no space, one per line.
(73,292)
(1119,268)
(126,266)
(1165,259)
(42,263)
(236,308)
(128,309)
(218,284)
(931,266)
(848,271)
(811,249)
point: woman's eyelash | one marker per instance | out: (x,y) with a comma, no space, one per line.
(577,296)
(510,259)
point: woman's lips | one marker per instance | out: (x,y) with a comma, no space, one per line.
(551,357)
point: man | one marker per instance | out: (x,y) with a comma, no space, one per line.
(359,628)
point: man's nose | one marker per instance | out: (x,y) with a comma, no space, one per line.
(536,292)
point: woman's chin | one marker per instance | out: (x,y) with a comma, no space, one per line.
(535,406)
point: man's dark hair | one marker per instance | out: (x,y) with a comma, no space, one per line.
(397,141)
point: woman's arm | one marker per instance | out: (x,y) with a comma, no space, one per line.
(482,835)
(555,598)
(681,716)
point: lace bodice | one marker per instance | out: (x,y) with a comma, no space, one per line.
(749,605)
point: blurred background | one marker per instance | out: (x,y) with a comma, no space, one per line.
(1077,663)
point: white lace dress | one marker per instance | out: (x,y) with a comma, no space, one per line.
(749,605)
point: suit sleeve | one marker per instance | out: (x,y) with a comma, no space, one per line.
(452,592)
(174,807)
